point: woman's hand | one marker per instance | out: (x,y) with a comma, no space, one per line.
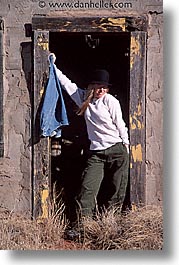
(52,57)
(127,147)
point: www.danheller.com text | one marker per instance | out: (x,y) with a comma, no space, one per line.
(101,4)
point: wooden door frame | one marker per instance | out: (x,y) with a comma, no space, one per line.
(1,89)
(137,26)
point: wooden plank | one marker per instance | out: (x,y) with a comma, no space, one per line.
(41,146)
(78,24)
(1,92)
(89,24)
(137,117)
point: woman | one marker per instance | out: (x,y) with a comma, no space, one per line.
(109,144)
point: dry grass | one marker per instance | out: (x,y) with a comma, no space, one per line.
(21,233)
(139,229)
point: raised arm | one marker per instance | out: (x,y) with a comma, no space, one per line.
(71,88)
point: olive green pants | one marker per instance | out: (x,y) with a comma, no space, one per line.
(114,161)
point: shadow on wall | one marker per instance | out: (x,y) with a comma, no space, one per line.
(27,66)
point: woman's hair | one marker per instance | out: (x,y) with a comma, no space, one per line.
(89,96)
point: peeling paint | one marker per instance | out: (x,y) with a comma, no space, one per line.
(118,22)
(135,49)
(41,91)
(68,23)
(43,42)
(114,22)
(136,153)
(135,122)
(132,124)
(139,109)
(44,198)
(134,208)
(44,46)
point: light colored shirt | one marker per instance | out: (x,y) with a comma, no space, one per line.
(103,116)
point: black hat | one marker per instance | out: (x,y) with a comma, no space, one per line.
(100,76)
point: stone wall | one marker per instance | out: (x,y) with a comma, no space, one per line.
(154,109)
(15,166)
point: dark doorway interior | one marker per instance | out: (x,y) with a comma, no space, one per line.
(77,55)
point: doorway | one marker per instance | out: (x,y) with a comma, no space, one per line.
(81,44)
(77,55)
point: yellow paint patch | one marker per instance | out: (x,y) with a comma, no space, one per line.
(41,92)
(137,153)
(121,22)
(132,124)
(135,122)
(68,23)
(139,109)
(44,46)
(114,22)
(135,49)
(134,208)
(44,203)
(43,42)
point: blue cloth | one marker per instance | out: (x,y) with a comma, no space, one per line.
(53,114)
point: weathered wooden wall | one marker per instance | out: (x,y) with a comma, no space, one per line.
(15,166)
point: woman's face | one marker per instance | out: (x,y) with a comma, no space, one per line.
(99,90)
